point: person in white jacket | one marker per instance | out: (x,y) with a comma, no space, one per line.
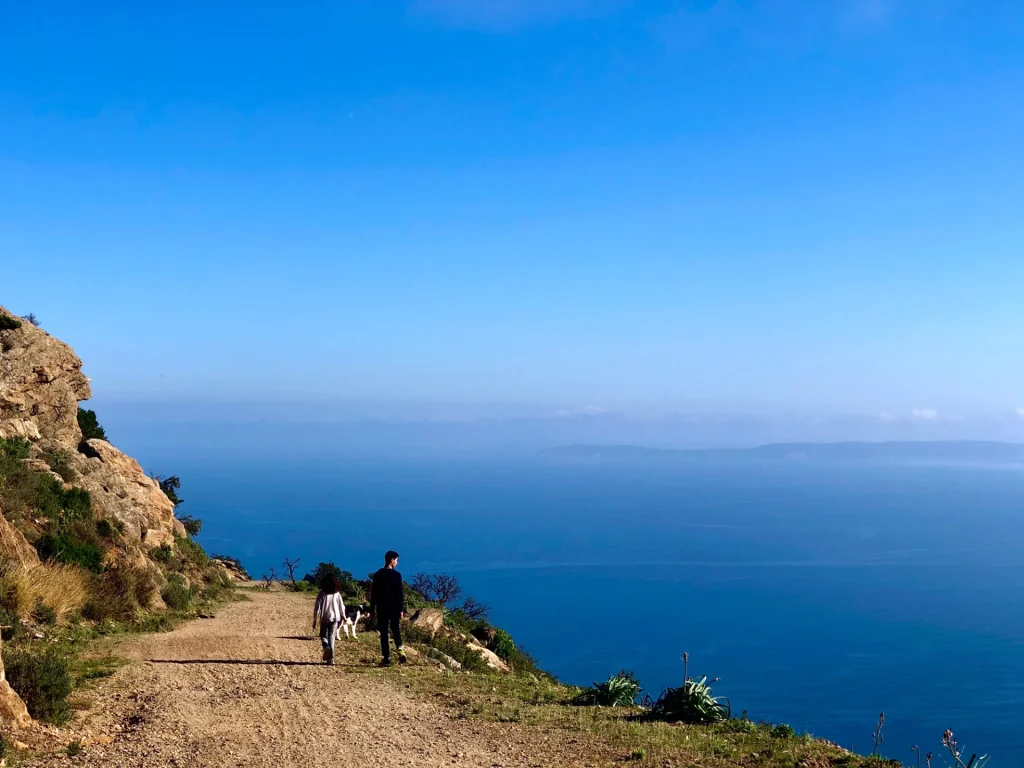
(330,612)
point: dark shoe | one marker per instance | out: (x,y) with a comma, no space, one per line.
(402,658)
(385,663)
(326,655)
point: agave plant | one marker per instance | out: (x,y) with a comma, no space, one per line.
(692,702)
(618,690)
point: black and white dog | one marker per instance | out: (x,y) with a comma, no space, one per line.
(352,615)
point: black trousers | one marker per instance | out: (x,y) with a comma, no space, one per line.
(384,623)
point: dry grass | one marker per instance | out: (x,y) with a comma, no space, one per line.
(63,588)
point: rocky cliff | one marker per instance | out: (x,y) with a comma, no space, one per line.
(41,384)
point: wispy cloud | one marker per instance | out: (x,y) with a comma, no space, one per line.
(925,414)
(506,15)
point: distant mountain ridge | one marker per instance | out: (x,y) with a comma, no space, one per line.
(966,451)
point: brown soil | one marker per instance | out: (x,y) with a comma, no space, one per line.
(246,689)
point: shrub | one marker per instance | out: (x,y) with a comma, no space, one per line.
(15,447)
(176,594)
(692,703)
(524,664)
(192,553)
(55,503)
(502,644)
(113,595)
(192,525)
(145,587)
(170,486)
(303,586)
(77,544)
(637,754)
(74,749)
(31,318)
(42,681)
(44,614)
(8,323)
(782,731)
(12,627)
(90,425)
(106,528)
(618,690)
(60,462)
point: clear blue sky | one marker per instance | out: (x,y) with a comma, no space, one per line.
(645,207)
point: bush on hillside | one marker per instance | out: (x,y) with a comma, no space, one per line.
(192,525)
(31,318)
(15,447)
(44,614)
(619,690)
(8,323)
(192,553)
(90,425)
(502,644)
(170,486)
(115,594)
(177,596)
(60,462)
(56,503)
(108,528)
(692,703)
(42,681)
(76,544)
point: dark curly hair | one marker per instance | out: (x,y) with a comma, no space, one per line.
(330,584)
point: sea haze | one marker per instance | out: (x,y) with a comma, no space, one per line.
(821,592)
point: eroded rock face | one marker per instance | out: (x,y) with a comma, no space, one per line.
(121,490)
(15,551)
(41,384)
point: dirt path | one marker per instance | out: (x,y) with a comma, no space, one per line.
(246,689)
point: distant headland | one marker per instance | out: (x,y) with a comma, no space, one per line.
(951,451)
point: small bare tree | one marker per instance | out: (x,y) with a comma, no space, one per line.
(437,587)
(290,566)
(269,578)
(474,609)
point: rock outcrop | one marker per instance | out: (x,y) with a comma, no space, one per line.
(41,384)
(430,620)
(13,712)
(15,551)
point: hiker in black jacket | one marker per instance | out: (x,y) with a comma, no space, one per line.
(387,606)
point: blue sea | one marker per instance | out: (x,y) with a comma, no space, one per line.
(820,594)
